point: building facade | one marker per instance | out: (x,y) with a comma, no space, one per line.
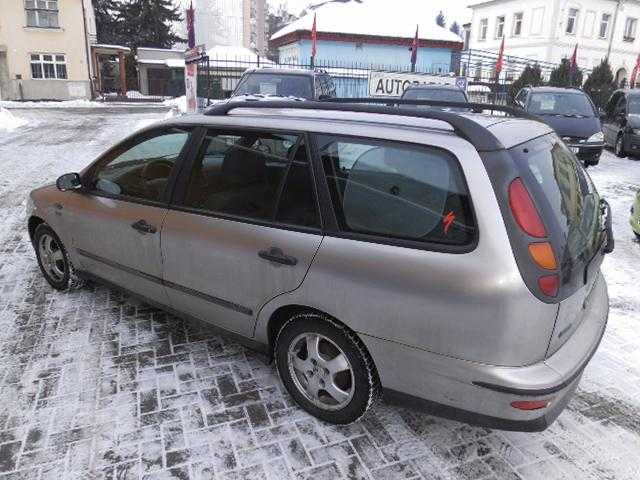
(346,37)
(548,30)
(44,49)
(237,23)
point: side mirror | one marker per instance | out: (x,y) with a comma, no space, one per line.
(69,181)
(602,114)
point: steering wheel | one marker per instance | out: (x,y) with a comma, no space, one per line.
(157,169)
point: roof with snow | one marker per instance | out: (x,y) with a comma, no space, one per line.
(372,18)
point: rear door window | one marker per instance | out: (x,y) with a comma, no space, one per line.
(258,176)
(396,190)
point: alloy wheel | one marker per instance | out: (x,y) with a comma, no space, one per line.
(51,257)
(321,371)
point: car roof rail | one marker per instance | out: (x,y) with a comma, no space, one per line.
(475,106)
(475,133)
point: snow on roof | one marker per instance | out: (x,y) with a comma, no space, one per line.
(113,47)
(375,18)
(235,57)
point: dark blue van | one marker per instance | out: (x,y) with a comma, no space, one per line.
(571,113)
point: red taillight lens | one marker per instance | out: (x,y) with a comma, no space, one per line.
(531,404)
(549,285)
(524,210)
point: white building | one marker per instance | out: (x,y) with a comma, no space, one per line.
(237,23)
(548,30)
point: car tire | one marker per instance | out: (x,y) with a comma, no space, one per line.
(637,235)
(54,260)
(336,359)
(619,146)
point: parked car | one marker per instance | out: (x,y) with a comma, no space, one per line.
(635,216)
(313,84)
(438,93)
(621,122)
(452,258)
(571,113)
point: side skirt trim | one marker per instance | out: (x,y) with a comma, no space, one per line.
(258,347)
(174,286)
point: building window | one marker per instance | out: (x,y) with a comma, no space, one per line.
(537,21)
(604,25)
(572,21)
(630,29)
(517,24)
(42,13)
(484,25)
(500,26)
(48,65)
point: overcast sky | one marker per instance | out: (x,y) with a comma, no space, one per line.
(452,9)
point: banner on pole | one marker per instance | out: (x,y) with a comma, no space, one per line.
(191,58)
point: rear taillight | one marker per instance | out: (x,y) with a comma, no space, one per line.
(524,210)
(528,219)
(530,404)
(549,285)
(542,254)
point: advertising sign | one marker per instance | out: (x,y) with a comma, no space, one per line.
(389,84)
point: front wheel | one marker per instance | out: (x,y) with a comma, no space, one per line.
(619,147)
(326,368)
(53,259)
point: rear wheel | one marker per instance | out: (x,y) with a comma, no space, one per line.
(326,368)
(53,259)
(619,147)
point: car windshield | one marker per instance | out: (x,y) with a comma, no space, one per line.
(634,104)
(276,84)
(435,94)
(565,104)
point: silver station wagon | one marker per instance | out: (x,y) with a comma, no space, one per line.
(448,260)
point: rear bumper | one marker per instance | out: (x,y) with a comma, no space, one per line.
(481,393)
(632,143)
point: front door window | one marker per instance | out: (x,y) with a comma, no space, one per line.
(141,171)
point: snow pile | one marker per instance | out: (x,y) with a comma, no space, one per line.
(9,122)
(375,18)
(49,104)
(180,103)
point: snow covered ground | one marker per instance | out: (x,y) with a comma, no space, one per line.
(96,385)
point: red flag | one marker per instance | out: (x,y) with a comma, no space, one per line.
(414,49)
(500,60)
(634,74)
(574,61)
(314,37)
(191,35)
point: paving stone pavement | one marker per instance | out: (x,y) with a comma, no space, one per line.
(96,385)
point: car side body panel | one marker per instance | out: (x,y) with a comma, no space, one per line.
(473,306)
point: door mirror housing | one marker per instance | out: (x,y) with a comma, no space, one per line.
(69,181)
(602,113)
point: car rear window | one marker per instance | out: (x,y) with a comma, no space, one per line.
(281,85)
(397,190)
(561,185)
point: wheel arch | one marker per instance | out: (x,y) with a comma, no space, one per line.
(33,223)
(282,314)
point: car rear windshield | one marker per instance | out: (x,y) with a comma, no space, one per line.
(567,104)
(563,190)
(277,84)
(435,94)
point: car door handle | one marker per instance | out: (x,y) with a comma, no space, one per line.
(276,255)
(143,227)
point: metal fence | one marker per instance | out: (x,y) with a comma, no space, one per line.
(219,76)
